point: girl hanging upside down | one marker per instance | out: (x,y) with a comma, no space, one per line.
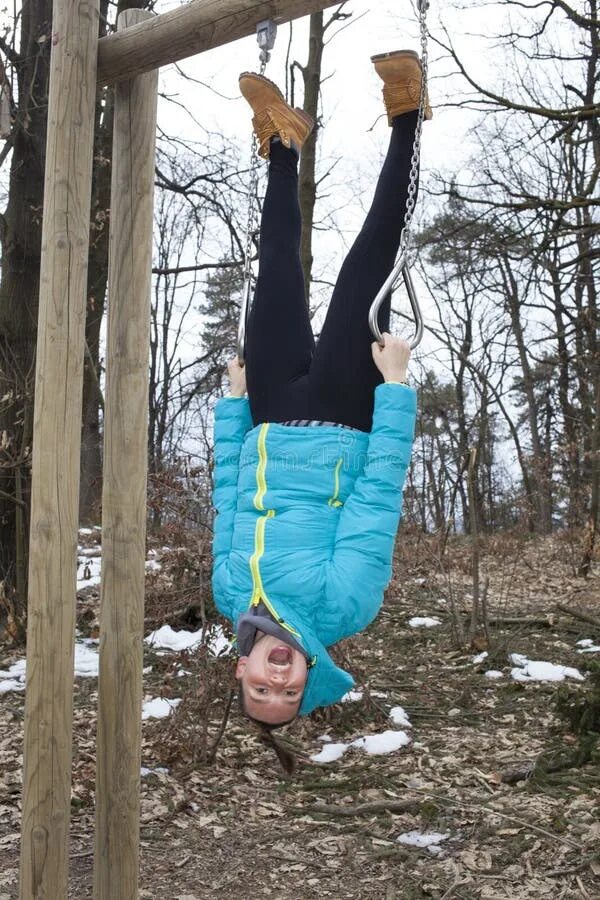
(309,470)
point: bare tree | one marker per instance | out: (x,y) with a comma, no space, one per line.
(534,194)
(307,176)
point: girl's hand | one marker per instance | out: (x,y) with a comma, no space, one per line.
(237,378)
(392,358)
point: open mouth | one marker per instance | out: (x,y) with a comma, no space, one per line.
(281,656)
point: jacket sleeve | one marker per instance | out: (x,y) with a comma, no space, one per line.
(232,422)
(361,566)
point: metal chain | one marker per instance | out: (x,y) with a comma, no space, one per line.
(265,34)
(401,269)
(416,154)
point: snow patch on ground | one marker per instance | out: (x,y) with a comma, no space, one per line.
(429,839)
(88,551)
(15,675)
(539,670)
(355,696)
(386,742)
(159,770)
(86,666)
(219,644)
(424,621)
(352,697)
(87,659)
(88,572)
(330,752)
(587,646)
(176,641)
(493,673)
(88,567)
(480,657)
(168,639)
(158,708)
(399,716)
(373,744)
(8,684)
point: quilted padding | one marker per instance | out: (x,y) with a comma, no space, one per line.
(306,521)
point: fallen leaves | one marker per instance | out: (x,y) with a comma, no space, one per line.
(223,829)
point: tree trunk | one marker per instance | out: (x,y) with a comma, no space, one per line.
(311,74)
(461,412)
(90,492)
(19,287)
(540,476)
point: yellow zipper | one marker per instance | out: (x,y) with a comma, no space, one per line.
(276,615)
(258,588)
(259,549)
(259,592)
(333,501)
(261,481)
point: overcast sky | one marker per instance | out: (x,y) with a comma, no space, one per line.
(352,95)
(355,131)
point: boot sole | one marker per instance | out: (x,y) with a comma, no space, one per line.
(393,53)
(262,80)
(304,118)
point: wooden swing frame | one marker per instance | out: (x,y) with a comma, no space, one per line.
(79,63)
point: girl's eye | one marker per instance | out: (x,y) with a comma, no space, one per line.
(261,690)
(291,693)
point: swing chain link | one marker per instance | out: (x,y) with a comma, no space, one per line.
(401,267)
(416,154)
(266,32)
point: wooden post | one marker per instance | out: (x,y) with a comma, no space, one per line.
(124,486)
(190,29)
(56,446)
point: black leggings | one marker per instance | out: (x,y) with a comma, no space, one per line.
(288,377)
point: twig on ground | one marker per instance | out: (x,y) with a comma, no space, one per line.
(482,808)
(584,892)
(213,750)
(535,621)
(579,614)
(296,860)
(363,809)
(570,870)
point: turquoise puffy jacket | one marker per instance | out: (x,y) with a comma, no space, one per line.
(306,522)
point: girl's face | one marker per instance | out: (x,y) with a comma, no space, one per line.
(273,678)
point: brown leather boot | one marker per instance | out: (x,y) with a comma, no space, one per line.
(272,115)
(401,75)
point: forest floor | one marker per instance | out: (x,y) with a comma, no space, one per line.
(239,828)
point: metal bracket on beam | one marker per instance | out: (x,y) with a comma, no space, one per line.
(266,32)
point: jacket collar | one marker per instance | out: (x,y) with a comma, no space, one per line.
(326,682)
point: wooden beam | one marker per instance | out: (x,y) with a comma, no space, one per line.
(56,447)
(190,29)
(124,485)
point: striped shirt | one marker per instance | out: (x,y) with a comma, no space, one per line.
(316,423)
